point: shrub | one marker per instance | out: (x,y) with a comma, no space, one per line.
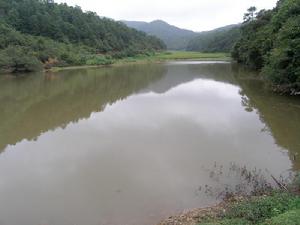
(289,218)
(229,222)
(258,209)
(19,59)
(99,60)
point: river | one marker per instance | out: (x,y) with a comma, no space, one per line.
(133,144)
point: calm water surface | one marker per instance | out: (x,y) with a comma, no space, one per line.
(131,145)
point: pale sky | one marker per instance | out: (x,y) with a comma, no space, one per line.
(197,15)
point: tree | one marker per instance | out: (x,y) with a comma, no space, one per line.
(219,40)
(270,43)
(36,32)
(250,15)
(283,65)
(18,59)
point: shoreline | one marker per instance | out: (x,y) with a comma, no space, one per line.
(157,58)
(195,216)
(269,208)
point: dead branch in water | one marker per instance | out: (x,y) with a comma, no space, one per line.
(280,185)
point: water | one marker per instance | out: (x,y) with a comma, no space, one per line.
(131,145)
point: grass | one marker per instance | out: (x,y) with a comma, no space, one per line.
(150,58)
(184,55)
(276,209)
(291,217)
(178,55)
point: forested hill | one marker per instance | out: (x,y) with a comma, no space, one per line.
(174,37)
(46,31)
(218,40)
(270,42)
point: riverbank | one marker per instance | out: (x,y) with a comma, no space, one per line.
(275,208)
(157,57)
(265,205)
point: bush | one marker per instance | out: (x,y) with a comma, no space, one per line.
(99,60)
(19,59)
(229,222)
(258,209)
(288,218)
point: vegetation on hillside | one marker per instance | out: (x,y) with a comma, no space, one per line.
(219,40)
(174,37)
(270,42)
(34,33)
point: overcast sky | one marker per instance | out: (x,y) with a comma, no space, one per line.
(197,15)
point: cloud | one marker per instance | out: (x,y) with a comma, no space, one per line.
(196,15)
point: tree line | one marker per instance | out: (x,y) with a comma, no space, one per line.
(270,43)
(37,33)
(267,41)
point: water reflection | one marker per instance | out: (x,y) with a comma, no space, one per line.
(130,145)
(280,114)
(32,105)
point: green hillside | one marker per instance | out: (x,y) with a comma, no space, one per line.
(218,40)
(36,33)
(174,37)
(270,42)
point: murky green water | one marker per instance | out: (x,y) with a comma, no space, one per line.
(131,145)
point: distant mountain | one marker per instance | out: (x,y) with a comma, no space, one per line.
(217,40)
(174,37)
(138,25)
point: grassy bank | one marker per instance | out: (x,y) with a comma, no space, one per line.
(151,58)
(185,55)
(264,205)
(276,208)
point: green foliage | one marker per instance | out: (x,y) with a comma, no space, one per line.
(255,42)
(56,34)
(228,222)
(174,37)
(220,40)
(250,15)
(70,24)
(283,64)
(276,209)
(258,209)
(19,59)
(179,55)
(288,218)
(99,60)
(271,43)
(297,181)
(37,50)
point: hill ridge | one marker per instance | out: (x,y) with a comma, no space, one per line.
(179,38)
